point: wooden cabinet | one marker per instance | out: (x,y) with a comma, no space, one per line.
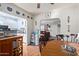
(11,46)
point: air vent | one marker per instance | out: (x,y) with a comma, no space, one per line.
(23,14)
(17,12)
(9,9)
(27,16)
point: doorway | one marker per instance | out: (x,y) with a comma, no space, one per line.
(55,26)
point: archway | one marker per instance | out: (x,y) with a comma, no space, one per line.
(55,26)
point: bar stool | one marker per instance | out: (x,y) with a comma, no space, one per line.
(58,37)
(67,37)
(72,37)
(76,38)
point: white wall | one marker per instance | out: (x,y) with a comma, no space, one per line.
(63,13)
(30,29)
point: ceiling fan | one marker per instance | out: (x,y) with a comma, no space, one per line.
(38,5)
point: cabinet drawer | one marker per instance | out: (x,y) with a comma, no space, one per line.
(5,48)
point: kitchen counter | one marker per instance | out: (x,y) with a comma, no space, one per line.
(11,45)
(9,37)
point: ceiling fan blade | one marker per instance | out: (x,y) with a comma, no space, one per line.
(38,5)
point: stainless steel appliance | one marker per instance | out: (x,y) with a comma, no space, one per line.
(3,30)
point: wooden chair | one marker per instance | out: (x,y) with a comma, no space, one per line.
(42,40)
(60,36)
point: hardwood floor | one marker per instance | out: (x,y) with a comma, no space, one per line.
(31,50)
(53,48)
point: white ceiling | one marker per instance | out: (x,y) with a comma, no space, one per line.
(44,7)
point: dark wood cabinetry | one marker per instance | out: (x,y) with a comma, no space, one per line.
(11,46)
